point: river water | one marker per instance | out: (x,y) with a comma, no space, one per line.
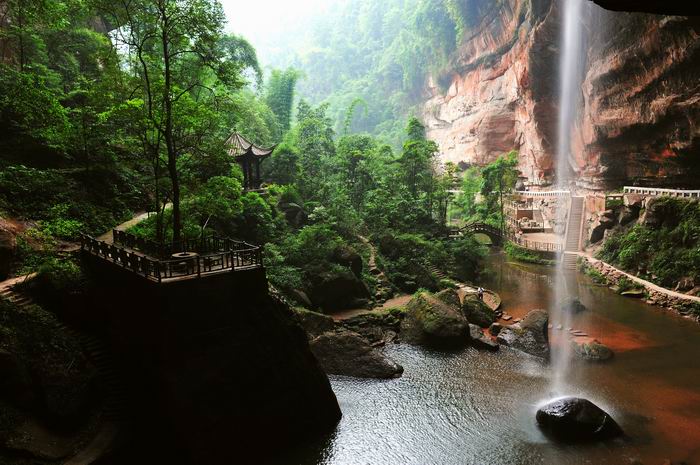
(472,407)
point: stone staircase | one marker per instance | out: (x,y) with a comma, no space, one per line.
(97,352)
(384,290)
(573,234)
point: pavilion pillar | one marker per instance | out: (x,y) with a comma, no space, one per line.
(258,181)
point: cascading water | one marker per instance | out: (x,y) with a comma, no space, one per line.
(570,79)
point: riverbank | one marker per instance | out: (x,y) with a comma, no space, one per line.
(475,406)
(686,305)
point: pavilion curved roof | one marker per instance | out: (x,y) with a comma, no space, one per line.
(239,146)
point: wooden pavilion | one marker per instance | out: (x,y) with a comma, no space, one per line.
(249,156)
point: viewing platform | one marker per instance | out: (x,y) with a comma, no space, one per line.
(172,262)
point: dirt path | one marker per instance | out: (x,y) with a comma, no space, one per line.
(139,217)
(397,301)
(11,282)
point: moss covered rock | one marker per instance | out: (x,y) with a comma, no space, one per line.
(347,353)
(477,312)
(314,323)
(434,320)
(592,351)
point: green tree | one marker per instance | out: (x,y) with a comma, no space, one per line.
(416,160)
(181,62)
(280,96)
(499,178)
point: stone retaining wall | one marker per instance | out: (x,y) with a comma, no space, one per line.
(686,305)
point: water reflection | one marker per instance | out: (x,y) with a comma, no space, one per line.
(476,407)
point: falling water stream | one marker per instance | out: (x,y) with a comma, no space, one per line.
(570,77)
(476,408)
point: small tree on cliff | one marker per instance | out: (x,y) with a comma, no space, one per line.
(499,178)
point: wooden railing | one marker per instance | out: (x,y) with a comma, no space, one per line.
(652,191)
(534,245)
(542,194)
(133,254)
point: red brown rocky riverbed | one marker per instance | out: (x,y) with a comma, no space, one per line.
(472,407)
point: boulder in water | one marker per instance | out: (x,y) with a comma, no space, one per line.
(480,340)
(530,335)
(431,321)
(347,353)
(573,419)
(477,312)
(573,305)
(592,351)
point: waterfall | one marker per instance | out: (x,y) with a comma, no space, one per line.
(571,67)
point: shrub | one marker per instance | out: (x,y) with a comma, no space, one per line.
(664,249)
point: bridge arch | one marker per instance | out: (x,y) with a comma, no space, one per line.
(492,232)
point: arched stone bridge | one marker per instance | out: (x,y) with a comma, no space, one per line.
(492,232)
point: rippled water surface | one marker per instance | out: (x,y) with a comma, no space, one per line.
(473,407)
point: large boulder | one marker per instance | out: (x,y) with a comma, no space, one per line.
(431,321)
(378,327)
(314,323)
(573,419)
(477,312)
(347,353)
(348,257)
(529,336)
(480,340)
(339,291)
(573,305)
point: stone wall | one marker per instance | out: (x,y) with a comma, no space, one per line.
(219,370)
(688,306)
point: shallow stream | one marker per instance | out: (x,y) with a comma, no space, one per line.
(473,407)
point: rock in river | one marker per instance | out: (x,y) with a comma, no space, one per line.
(591,350)
(433,320)
(573,419)
(347,353)
(481,340)
(477,312)
(530,335)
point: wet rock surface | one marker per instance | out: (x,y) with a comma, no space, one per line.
(529,335)
(477,312)
(591,351)
(480,340)
(344,352)
(573,419)
(431,321)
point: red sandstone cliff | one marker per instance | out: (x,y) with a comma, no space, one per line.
(640,99)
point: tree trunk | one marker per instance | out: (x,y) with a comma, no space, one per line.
(168,131)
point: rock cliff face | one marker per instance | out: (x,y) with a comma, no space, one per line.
(639,113)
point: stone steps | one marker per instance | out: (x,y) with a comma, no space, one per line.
(569,260)
(97,352)
(573,230)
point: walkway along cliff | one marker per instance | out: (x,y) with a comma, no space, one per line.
(217,368)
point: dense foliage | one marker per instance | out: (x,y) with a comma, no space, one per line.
(131,108)
(665,247)
(383,52)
